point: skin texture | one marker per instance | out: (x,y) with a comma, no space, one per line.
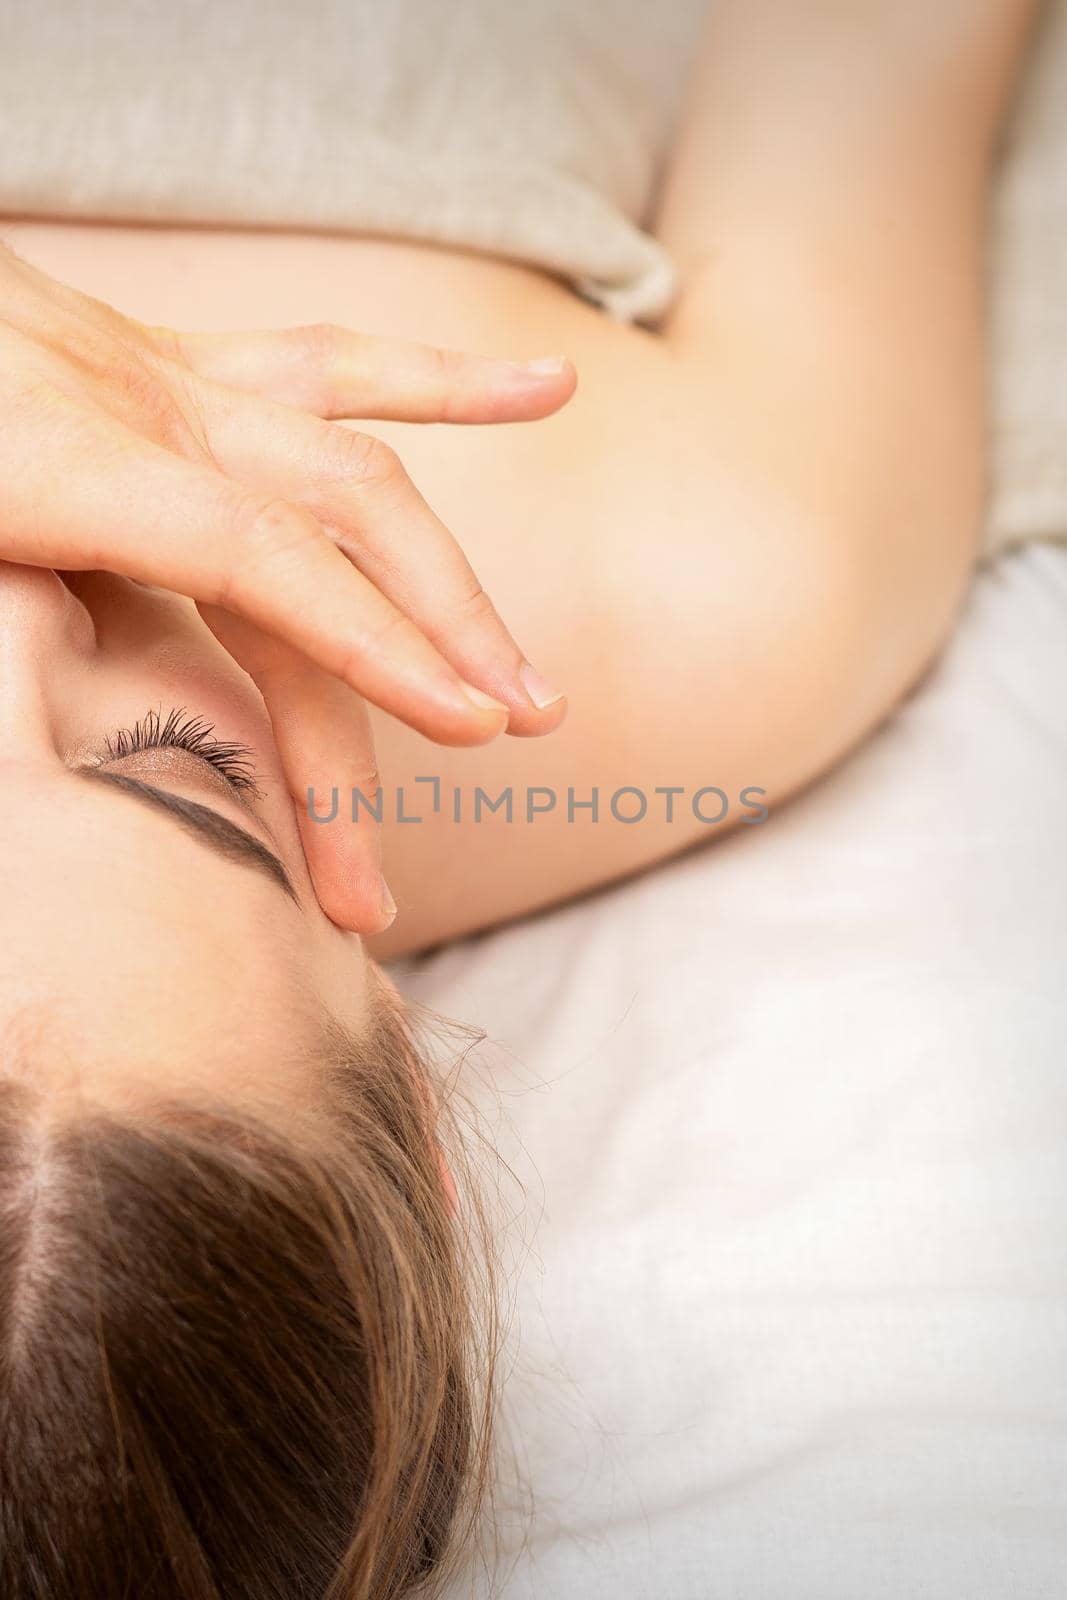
(210,464)
(738,548)
(130,947)
(133,954)
(739,545)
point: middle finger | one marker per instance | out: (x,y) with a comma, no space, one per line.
(357,486)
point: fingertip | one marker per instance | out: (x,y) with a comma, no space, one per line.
(483,701)
(354,896)
(554,380)
(528,723)
(534,706)
(547,366)
(494,713)
(525,391)
(386,907)
(466,718)
(542,693)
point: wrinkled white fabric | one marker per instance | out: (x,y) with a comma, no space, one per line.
(791,1117)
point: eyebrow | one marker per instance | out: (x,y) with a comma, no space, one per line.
(224,837)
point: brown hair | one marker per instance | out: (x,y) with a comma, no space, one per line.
(236,1361)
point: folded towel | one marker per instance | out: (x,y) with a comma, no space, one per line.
(1029,263)
(536,131)
(531,130)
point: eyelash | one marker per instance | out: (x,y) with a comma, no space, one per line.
(180,730)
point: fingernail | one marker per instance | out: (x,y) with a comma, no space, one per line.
(484,702)
(546,366)
(388,905)
(539,689)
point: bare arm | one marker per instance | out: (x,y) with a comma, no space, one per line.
(769,512)
(827,209)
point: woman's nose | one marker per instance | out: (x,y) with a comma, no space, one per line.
(45,634)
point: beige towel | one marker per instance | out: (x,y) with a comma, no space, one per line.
(535,129)
(1029,264)
(525,128)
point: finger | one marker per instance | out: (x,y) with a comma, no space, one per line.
(358,489)
(156,517)
(334,372)
(324,741)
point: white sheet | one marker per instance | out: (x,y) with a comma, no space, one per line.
(791,1115)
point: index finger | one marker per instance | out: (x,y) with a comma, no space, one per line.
(334,372)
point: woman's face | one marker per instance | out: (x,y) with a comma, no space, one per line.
(157,923)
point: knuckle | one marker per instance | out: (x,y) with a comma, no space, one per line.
(474,606)
(269,537)
(446,364)
(319,348)
(386,641)
(168,342)
(320,342)
(448,372)
(368,461)
(149,402)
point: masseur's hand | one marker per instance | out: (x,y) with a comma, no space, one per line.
(209,464)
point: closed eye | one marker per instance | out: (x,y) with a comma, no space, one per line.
(181,730)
